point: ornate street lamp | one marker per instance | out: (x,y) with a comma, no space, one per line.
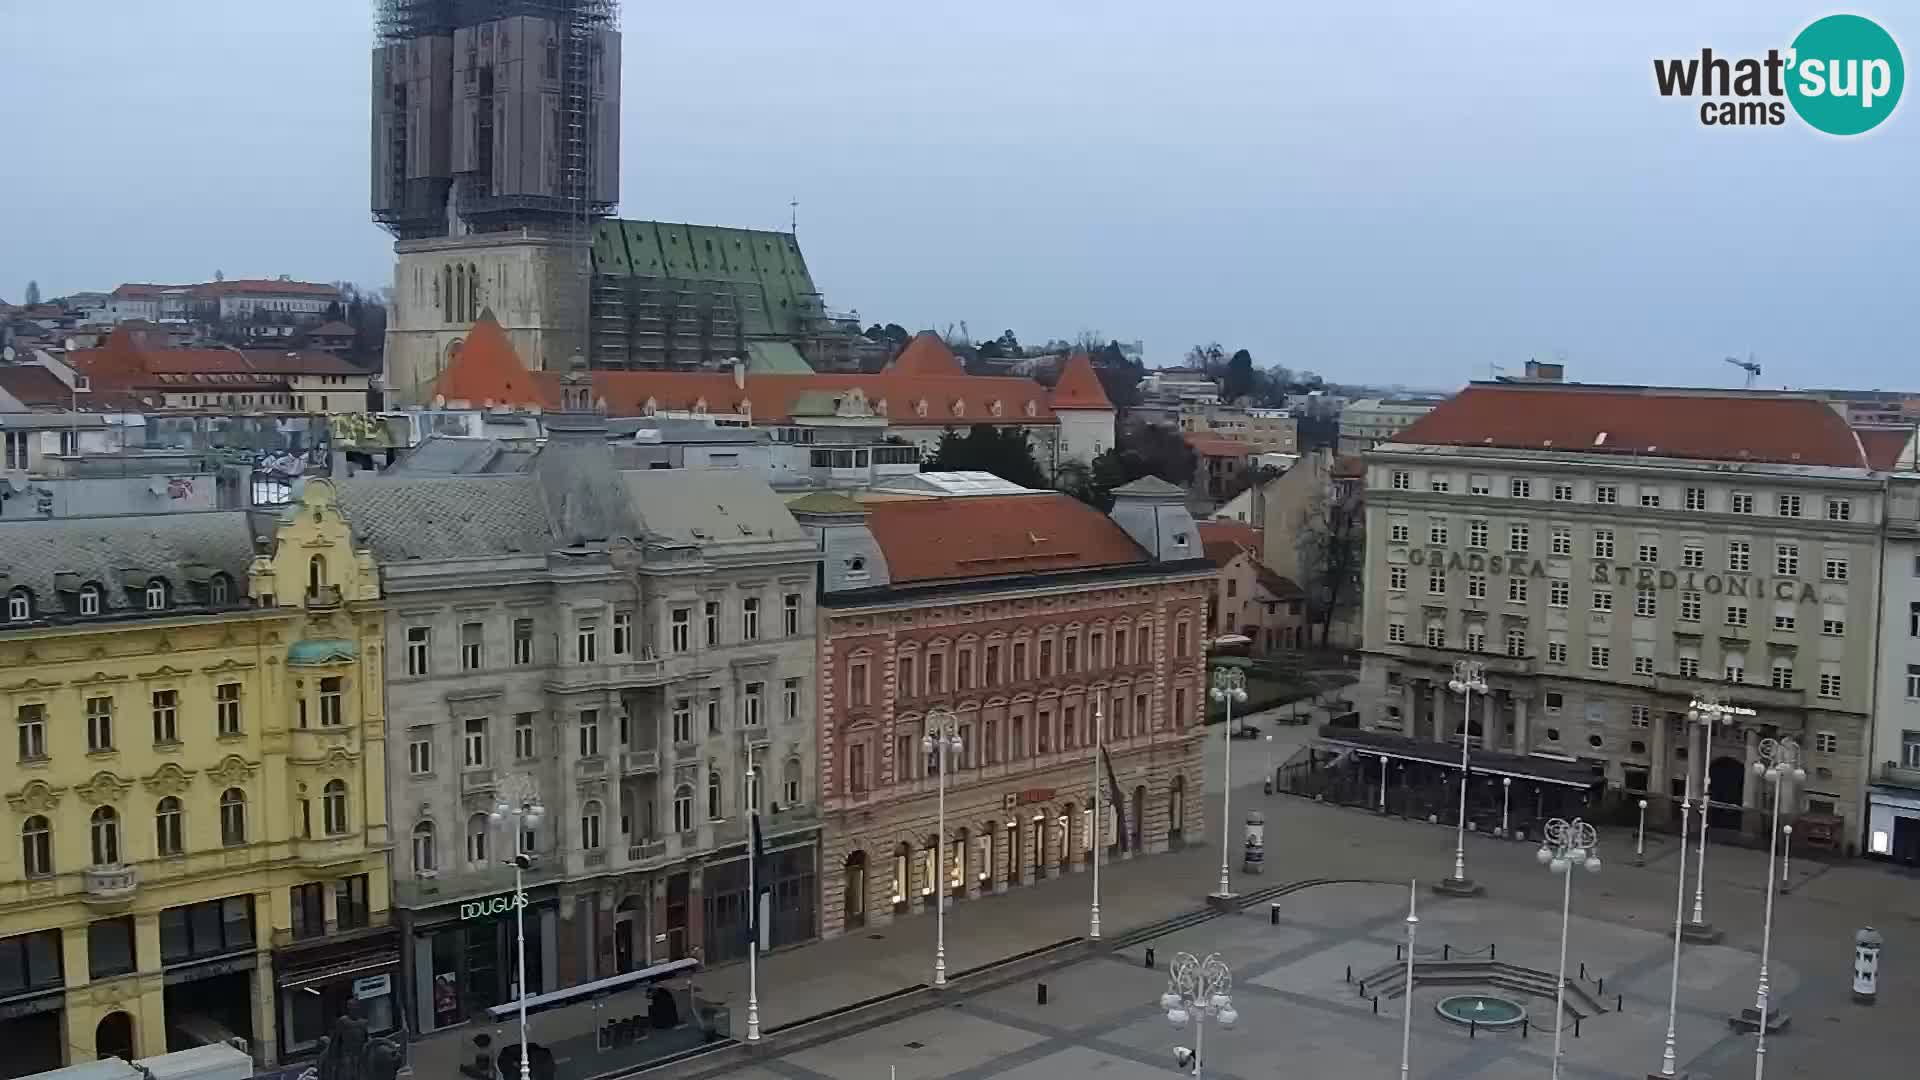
(1779,765)
(1229,686)
(1198,990)
(1468,679)
(520,803)
(941,739)
(1568,844)
(1705,711)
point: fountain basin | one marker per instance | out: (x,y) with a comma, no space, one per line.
(1483,1010)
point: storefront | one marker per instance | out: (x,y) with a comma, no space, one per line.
(208,955)
(316,980)
(31,999)
(1893,823)
(459,958)
(791,887)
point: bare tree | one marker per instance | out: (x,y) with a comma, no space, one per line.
(1331,541)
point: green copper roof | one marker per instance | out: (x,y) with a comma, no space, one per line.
(321,651)
(762,271)
(775,358)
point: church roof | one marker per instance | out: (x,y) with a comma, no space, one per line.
(1079,386)
(487,370)
(926,354)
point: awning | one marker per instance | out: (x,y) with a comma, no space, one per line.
(608,985)
(1490,762)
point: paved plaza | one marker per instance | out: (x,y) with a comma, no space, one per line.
(1299,1014)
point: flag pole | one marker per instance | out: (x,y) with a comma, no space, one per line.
(1100,746)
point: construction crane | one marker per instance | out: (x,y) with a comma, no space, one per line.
(1750,365)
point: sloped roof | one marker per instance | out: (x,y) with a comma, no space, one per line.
(405,519)
(1709,425)
(1150,485)
(951,400)
(1225,539)
(709,506)
(926,354)
(991,536)
(1218,445)
(34,385)
(488,370)
(1883,445)
(34,550)
(1079,386)
(121,363)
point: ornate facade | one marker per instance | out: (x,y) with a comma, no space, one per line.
(197,793)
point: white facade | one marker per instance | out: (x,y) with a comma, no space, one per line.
(441,286)
(1085,434)
(1603,593)
(1368,422)
(1893,799)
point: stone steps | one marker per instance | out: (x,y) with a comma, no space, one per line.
(1390,981)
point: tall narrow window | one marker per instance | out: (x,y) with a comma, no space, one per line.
(227,708)
(750,619)
(333,807)
(168,833)
(106,837)
(589,733)
(99,724)
(166,717)
(525,747)
(32,721)
(587,641)
(522,642)
(474,744)
(791,615)
(36,847)
(419,649)
(233,817)
(425,858)
(680,632)
(623,633)
(331,696)
(473,648)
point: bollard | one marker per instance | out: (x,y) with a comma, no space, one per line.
(1041,992)
(1363,988)
(1473,1029)
(1576,1027)
(1601,987)
(1396,952)
(1376,1005)
(1446,952)
(1149,956)
(1349,972)
(1525,1026)
(1619,1003)
(1493,951)
(1273,914)
(1583,969)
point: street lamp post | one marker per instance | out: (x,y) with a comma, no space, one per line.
(1506,794)
(1100,736)
(1786,858)
(520,803)
(1779,764)
(1568,844)
(1667,1062)
(1468,679)
(1383,783)
(1198,989)
(943,736)
(1229,686)
(1640,837)
(1704,712)
(1406,998)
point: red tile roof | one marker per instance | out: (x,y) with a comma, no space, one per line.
(926,354)
(1079,387)
(122,363)
(1225,539)
(1884,445)
(32,385)
(950,400)
(1710,425)
(988,536)
(488,371)
(1218,445)
(266,287)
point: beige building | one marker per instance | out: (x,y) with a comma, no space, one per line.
(1267,431)
(1613,554)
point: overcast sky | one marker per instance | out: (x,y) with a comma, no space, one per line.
(1408,192)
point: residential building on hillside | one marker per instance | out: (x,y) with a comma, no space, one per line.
(1248,599)
(1266,431)
(198,795)
(636,648)
(279,298)
(1220,467)
(1042,631)
(1614,554)
(1368,422)
(225,379)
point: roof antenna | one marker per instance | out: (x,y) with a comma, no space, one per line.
(793,216)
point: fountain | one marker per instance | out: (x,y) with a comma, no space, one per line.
(1481,1010)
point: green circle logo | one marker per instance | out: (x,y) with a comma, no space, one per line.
(1846,75)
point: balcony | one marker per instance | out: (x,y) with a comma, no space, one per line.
(755,737)
(111,885)
(322,855)
(639,762)
(646,851)
(1899,776)
(324,598)
(589,768)
(617,674)
(476,781)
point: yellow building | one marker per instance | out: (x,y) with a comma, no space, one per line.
(197,795)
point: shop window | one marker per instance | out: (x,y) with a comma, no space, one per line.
(110,949)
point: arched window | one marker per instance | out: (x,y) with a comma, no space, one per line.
(36,846)
(333,807)
(473,292)
(157,594)
(590,826)
(459,294)
(477,839)
(316,574)
(425,858)
(790,783)
(90,599)
(233,817)
(219,590)
(715,806)
(113,1036)
(106,837)
(166,826)
(683,808)
(19,605)
(446,277)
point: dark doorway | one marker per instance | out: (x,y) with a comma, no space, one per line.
(1137,825)
(1176,813)
(210,1010)
(853,890)
(677,889)
(1726,783)
(1906,840)
(113,1038)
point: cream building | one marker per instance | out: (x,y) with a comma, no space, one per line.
(1611,554)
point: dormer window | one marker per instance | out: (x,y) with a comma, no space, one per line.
(1180,539)
(218,590)
(1032,409)
(157,595)
(997,408)
(959,407)
(19,605)
(920,407)
(89,599)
